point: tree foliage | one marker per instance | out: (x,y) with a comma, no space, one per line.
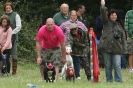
(35,12)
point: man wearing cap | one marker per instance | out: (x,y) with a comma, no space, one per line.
(78,44)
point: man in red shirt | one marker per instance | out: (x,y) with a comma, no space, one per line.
(50,43)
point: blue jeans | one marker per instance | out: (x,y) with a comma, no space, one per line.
(76,63)
(124,61)
(5,61)
(112,61)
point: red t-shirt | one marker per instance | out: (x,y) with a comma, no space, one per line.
(50,39)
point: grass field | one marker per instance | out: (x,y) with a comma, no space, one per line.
(29,73)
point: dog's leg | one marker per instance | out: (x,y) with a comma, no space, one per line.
(73,78)
(63,70)
(47,80)
(53,74)
(46,76)
(67,78)
(71,60)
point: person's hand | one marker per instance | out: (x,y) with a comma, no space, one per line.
(39,60)
(102,2)
(2,50)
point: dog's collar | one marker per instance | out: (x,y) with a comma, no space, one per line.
(67,53)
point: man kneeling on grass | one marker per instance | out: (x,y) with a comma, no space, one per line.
(50,46)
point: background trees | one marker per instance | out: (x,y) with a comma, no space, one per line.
(35,12)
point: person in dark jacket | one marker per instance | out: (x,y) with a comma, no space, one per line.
(112,43)
(79,44)
(81,15)
(129,28)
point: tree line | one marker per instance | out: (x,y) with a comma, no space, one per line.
(34,13)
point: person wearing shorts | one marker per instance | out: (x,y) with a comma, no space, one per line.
(50,46)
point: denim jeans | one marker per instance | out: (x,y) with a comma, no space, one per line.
(113,61)
(5,61)
(76,63)
(124,61)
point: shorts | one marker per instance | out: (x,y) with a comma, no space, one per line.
(130,46)
(51,55)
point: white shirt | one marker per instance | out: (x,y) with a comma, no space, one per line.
(18,24)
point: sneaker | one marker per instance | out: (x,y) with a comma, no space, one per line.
(54,81)
(130,70)
(61,77)
(78,78)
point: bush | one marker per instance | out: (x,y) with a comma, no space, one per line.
(26,42)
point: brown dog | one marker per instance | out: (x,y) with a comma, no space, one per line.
(70,73)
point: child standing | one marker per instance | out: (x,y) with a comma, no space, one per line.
(5,42)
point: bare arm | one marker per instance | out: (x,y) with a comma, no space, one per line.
(63,52)
(38,50)
(18,24)
(103,11)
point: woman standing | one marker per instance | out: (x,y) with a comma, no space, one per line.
(112,43)
(15,22)
(129,29)
(5,42)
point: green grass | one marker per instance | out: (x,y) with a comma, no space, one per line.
(29,73)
